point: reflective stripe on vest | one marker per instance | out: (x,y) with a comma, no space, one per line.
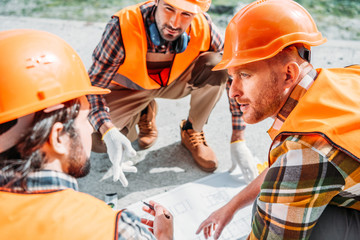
(57,215)
(330,108)
(133,72)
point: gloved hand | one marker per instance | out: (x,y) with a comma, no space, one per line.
(117,144)
(241,155)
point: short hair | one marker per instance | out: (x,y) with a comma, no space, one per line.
(27,156)
(290,53)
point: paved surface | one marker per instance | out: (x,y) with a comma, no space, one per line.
(168,164)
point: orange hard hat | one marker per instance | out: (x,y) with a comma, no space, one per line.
(263,28)
(193,6)
(38,70)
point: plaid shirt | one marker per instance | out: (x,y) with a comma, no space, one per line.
(308,174)
(129,225)
(109,55)
(236,114)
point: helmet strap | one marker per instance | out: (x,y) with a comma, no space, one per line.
(12,136)
(304,53)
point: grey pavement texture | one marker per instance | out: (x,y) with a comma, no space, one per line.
(168,164)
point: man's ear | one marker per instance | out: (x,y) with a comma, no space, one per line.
(58,141)
(292,71)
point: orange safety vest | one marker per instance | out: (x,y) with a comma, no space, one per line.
(330,108)
(56,215)
(133,73)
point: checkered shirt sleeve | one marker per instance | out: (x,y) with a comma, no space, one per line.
(130,227)
(217,43)
(236,114)
(295,193)
(107,58)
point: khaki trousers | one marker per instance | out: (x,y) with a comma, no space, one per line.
(204,86)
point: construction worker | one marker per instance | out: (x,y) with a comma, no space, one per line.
(160,49)
(311,189)
(45,144)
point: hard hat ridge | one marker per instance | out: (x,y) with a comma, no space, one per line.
(193,6)
(263,28)
(38,70)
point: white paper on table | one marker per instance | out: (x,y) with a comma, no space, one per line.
(193,202)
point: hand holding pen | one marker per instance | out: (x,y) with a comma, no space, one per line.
(152,208)
(162,225)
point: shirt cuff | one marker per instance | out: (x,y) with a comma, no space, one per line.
(98,118)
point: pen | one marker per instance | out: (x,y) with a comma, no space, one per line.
(152,208)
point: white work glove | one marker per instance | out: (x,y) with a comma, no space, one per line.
(117,144)
(241,156)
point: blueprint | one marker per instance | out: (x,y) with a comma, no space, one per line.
(192,203)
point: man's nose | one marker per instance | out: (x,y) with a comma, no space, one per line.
(175,20)
(236,88)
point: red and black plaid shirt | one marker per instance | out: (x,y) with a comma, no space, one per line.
(109,55)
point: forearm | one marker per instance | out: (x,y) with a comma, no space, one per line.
(98,114)
(237,135)
(221,217)
(248,194)
(105,127)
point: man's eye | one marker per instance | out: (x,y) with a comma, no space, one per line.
(244,75)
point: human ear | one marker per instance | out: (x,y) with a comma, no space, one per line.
(58,141)
(292,71)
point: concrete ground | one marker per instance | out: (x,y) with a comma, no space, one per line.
(168,164)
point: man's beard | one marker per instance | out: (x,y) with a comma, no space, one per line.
(172,37)
(272,99)
(79,162)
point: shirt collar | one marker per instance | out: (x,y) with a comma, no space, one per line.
(48,180)
(150,16)
(299,90)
